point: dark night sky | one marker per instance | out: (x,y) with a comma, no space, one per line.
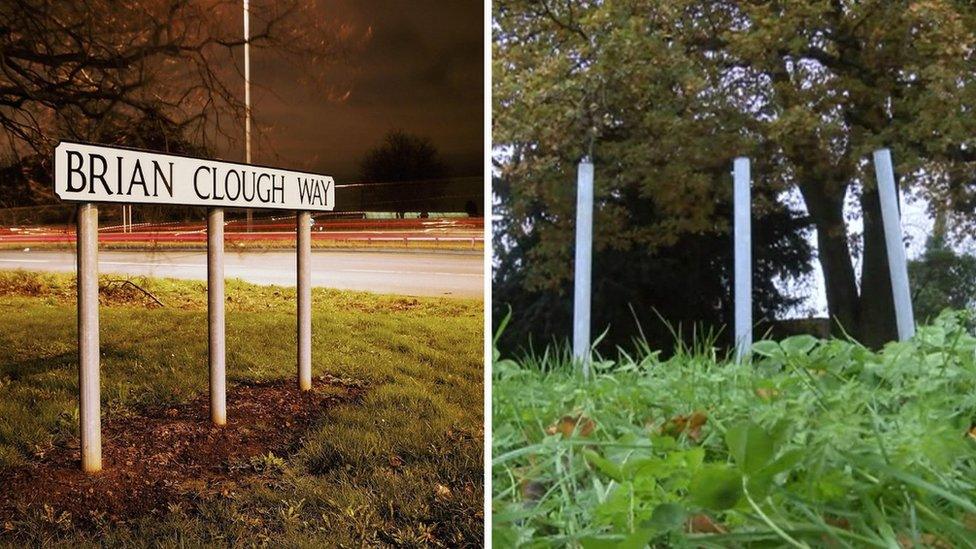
(420,72)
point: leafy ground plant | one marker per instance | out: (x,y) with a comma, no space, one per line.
(811,443)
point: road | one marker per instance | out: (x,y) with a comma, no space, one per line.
(407,273)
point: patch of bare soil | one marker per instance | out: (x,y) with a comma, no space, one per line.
(161,455)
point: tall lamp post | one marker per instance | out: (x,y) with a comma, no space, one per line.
(247,96)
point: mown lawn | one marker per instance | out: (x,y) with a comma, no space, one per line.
(419,358)
(812,444)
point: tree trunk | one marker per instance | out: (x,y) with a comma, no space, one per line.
(840,283)
(876,314)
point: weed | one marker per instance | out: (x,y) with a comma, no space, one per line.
(811,443)
(268,463)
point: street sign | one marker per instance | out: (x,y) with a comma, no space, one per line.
(98,173)
(90,174)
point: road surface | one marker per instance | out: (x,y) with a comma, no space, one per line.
(407,273)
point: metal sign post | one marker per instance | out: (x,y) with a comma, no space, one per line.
(217,347)
(89,174)
(89,406)
(583,265)
(897,264)
(304,252)
(743,257)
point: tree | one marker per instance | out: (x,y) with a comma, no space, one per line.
(667,92)
(941,278)
(92,69)
(685,282)
(402,157)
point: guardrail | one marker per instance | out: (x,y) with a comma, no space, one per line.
(395,233)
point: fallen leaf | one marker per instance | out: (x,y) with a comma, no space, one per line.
(701,523)
(838,522)
(570,425)
(691,425)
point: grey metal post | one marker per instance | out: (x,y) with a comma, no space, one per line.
(215,316)
(743,257)
(89,405)
(583,264)
(304,222)
(247,96)
(897,265)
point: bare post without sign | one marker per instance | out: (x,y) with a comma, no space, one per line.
(89,174)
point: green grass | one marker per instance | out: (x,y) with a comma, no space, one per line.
(421,358)
(812,444)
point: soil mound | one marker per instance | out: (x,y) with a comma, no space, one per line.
(161,455)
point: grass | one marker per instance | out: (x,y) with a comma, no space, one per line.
(814,443)
(421,359)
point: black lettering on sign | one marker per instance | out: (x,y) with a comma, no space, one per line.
(226,185)
(236,192)
(262,196)
(92,176)
(313,191)
(277,186)
(244,183)
(118,174)
(158,174)
(76,170)
(303,190)
(196,186)
(137,170)
(318,192)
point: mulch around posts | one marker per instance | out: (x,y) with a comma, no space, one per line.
(159,455)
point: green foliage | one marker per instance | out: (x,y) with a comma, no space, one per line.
(812,442)
(665,93)
(421,359)
(942,279)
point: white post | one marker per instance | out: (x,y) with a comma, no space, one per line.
(89,405)
(583,265)
(897,264)
(304,245)
(247,95)
(743,257)
(215,316)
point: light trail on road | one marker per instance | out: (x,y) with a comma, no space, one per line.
(406,273)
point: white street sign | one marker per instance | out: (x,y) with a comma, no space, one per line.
(98,173)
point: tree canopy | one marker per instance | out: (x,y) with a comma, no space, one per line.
(941,279)
(402,157)
(96,68)
(665,93)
